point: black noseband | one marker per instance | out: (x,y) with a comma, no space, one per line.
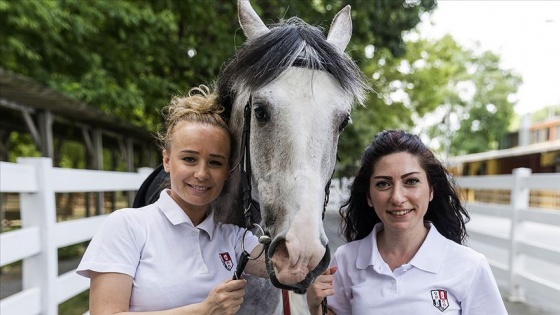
(300,287)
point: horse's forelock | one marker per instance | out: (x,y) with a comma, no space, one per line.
(292,43)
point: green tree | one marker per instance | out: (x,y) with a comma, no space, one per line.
(406,88)
(127,57)
(479,107)
(124,57)
(491,110)
(464,94)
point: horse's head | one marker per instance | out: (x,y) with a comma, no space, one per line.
(299,87)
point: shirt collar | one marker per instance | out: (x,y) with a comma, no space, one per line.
(175,214)
(429,257)
(432,252)
(368,253)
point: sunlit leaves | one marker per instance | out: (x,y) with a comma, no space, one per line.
(128,57)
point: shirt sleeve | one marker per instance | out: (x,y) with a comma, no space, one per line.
(114,248)
(251,241)
(483,295)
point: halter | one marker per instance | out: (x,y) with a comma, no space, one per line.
(251,207)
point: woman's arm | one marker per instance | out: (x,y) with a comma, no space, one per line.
(257,267)
(110,294)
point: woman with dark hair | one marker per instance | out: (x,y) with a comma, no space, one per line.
(405,227)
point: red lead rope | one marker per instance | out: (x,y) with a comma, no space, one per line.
(286,302)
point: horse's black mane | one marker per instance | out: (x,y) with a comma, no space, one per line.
(292,43)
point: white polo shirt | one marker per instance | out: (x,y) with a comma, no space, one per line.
(442,278)
(173,263)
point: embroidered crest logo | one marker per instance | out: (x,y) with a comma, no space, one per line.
(226,260)
(439,298)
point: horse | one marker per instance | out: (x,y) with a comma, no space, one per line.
(287,93)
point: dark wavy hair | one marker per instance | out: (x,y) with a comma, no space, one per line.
(445,211)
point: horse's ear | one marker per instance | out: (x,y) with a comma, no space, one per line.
(250,21)
(341,29)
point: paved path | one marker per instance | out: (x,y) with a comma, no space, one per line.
(331,224)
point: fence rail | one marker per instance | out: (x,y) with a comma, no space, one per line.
(37,242)
(526,234)
(40,237)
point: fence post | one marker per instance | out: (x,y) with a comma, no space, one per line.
(519,200)
(39,210)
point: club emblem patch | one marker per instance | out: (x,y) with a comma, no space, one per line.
(226,260)
(439,298)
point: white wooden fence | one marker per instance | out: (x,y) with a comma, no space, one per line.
(41,236)
(37,242)
(529,270)
(521,238)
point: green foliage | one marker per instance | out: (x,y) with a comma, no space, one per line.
(21,144)
(406,89)
(547,112)
(72,251)
(483,118)
(124,57)
(376,22)
(128,57)
(433,78)
(77,305)
(381,23)
(72,155)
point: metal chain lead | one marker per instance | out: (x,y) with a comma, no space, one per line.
(245,256)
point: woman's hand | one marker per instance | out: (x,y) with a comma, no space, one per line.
(320,289)
(226,298)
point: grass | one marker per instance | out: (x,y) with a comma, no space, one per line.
(77,305)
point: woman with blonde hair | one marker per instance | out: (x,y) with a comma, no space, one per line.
(170,257)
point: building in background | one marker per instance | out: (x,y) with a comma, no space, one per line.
(534,145)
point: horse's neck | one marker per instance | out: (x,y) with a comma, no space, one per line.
(229,206)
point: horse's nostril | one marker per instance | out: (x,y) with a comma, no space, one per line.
(279,250)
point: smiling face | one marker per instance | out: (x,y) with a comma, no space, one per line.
(197,161)
(399,192)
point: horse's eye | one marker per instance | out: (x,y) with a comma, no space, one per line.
(344,123)
(261,114)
